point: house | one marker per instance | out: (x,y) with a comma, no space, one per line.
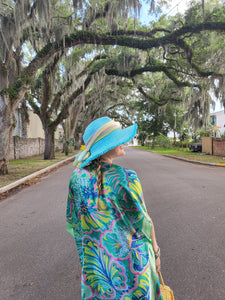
(33,128)
(133,142)
(28,136)
(217,119)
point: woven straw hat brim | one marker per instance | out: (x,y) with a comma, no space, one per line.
(114,139)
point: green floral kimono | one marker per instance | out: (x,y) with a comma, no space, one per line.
(113,243)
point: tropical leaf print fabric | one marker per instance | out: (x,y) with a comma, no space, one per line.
(114,244)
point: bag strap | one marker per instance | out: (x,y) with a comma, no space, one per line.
(161,278)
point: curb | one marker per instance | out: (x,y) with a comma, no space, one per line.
(195,161)
(6,189)
(187,160)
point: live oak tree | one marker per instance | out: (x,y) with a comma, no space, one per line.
(53,93)
(15,20)
(47,25)
(50,27)
(203,51)
(61,87)
(107,95)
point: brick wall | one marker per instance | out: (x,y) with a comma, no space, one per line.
(25,147)
(219,147)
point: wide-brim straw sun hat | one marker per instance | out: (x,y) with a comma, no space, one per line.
(100,136)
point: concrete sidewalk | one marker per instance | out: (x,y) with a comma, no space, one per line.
(28,179)
(195,161)
(187,160)
(4,191)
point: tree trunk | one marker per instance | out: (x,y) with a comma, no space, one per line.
(49,143)
(7,110)
(6,129)
(153,142)
(174,137)
(76,136)
(76,116)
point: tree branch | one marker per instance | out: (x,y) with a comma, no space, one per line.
(144,34)
(58,96)
(84,37)
(65,110)
(47,84)
(189,53)
(172,36)
(34,106)
(7,5)
(155,68)
(85,71)
(115,105)
(159,102)
(101,13)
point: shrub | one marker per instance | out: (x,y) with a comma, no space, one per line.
(182,144)
(163,141)
(141,137)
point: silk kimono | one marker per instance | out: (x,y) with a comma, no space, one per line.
(114,243)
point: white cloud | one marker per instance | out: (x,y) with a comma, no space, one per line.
(172,8)
(177,6)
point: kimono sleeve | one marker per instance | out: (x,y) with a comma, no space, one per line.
(137,213)
(69,211)
(71,216)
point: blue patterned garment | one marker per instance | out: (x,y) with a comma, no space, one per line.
(113,243)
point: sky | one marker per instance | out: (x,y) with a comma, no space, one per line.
(173,8)
(178,6)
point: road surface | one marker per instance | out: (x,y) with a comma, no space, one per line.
(186,202)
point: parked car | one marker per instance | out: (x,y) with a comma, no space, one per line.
(196,147)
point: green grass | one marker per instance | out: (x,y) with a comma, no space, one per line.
(19,168)
(187,154)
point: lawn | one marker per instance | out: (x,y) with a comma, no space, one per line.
(187,154)
(20,168)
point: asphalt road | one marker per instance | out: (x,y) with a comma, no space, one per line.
(186,202)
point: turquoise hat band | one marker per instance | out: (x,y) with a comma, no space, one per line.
(102,132)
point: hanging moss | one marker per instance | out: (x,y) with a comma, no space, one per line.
(44,50)
(13,94)
(14,89)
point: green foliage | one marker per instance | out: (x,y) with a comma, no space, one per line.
(209,131)
(68,143)
(163,141)
(184,135)
(194,14)
(13,90)
(175,117)
(160,111)
(142,137)
(182,144)
(154,125)
(178,52)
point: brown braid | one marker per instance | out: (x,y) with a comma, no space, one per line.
(99,180)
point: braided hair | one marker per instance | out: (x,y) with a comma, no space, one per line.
(97,163)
